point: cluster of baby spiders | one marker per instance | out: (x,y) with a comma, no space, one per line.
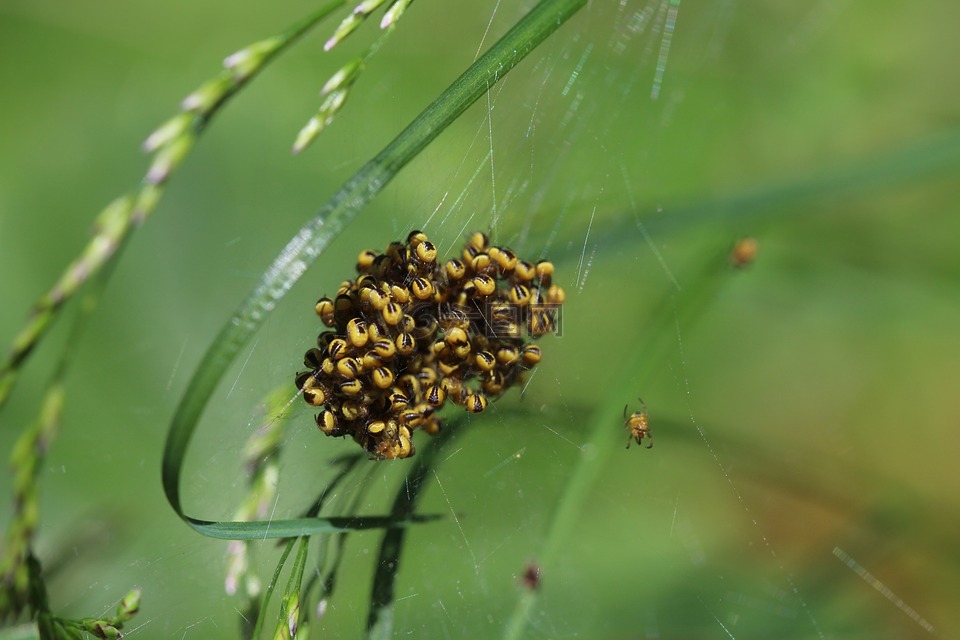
(411,332)
(638,424)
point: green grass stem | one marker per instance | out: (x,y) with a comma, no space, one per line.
(655,343)
(116,223)
(311,240)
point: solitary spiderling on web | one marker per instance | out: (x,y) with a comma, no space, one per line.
(638,423)
(744,252)
(411,333)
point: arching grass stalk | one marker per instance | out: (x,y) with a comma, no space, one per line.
(18,583)
(21,576)
(922,159)
(313,237)
(684,309)
(170,144)
(25,460)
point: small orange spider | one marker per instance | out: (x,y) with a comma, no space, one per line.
(638,423)
(744,252)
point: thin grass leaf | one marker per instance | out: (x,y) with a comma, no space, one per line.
(923,159)
(296,527)
(310,241)
(270,587)
(675,310)
(328,578)
(290,605)
(349,463)
(380,616)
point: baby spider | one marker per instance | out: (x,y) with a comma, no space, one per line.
(638,423)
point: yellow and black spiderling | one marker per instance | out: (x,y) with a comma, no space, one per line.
(744,252)
(638,424)
(412,332)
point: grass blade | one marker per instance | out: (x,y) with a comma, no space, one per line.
(314,236)
(923,159)
(380,617)
(674,310)
(273,585)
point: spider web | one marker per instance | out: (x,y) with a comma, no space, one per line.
(759,512)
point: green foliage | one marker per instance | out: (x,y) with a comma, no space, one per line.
(801,483)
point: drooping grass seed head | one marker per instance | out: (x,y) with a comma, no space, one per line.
(247,61)
(393,13)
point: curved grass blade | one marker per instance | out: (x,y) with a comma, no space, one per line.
(296,527)
(380,617)
(116,223)
(684,309)
(313,237)
(922,159)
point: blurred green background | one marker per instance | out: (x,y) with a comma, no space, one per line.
(808,411)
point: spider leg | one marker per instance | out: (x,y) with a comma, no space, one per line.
(642,403)
(650,446)
(625,411)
